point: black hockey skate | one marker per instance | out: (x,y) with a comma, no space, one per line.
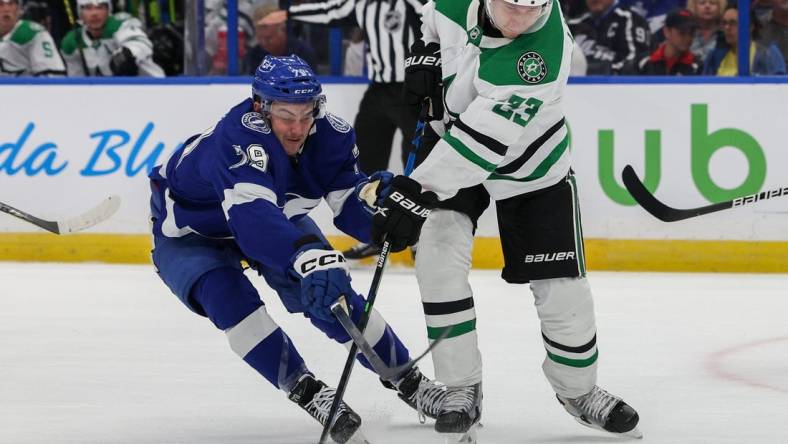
(460,413)
(362,250)
(420,393)
(316,397)
(600,410)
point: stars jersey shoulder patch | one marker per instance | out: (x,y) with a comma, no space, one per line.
(531,67)
(255,122)
(338,123)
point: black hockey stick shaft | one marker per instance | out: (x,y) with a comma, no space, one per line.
(373,289)
(646,199)
(45,224)
(362,325)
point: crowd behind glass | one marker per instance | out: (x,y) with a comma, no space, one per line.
(146,38)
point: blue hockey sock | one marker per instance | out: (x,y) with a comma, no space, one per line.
(384,341)
(233,305)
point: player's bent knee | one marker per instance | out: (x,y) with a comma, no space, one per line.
(226,296)
(565,307)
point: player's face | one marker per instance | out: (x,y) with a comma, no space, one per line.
(9,12)
(94,16)
(291,123)
(598,6)
(513,20)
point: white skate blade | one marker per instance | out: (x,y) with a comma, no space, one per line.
(634,433)
(468,437)
(358,438)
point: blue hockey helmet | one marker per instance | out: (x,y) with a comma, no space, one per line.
(287,79)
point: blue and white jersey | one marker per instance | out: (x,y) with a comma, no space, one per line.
(235,180)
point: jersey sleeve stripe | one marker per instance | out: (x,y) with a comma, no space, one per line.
(336,199)
(543,167)
(468,153)
(245,192)
(517,163)
(482,139)
(298,206)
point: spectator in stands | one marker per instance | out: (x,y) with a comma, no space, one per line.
(765,58)
(216,32)
(26,48)
(673,56)
(270,24)
(610,36)
(654,11)
(108,45)
(775,26)
(709,16)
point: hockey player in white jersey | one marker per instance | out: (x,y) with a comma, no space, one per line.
(108,45)
(501,67)
(26,48)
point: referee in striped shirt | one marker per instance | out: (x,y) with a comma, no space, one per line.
(390,27)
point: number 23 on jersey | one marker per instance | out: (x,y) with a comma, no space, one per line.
(518,109)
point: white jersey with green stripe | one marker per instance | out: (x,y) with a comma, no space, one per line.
(503,99)
(28,50)
(120,30)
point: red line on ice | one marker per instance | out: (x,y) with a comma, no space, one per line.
(715,363)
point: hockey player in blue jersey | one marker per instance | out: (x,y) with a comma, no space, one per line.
(241,190)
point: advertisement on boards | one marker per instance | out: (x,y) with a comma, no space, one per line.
(65,147)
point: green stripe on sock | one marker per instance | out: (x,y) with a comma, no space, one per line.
(456,329)
(580,363)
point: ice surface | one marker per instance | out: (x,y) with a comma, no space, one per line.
(105,354)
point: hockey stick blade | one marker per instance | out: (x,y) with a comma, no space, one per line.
(99,213)
(384,371)
(643,196)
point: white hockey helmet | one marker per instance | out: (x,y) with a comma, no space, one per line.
(514,17)
(81,3)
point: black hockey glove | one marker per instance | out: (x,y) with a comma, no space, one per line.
(423,77)
(123,63)
(402,212)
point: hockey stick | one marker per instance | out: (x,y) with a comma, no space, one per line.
(77,35)
(99,213)
(381,368)
(373,292)
(668,214)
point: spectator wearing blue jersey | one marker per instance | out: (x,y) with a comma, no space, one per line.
(240,192)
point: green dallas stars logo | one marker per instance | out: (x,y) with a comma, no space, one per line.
(531,67)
